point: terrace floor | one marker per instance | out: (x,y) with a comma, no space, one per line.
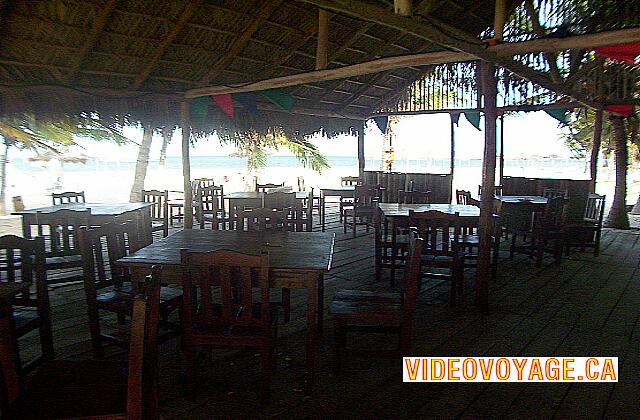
(584,306)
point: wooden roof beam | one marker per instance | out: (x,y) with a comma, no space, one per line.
(160,48)
(98,24)
(453,38)
(431,58)
(267,8)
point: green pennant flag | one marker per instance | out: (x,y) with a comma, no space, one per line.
(473,118)
(279,97)
(199,108)
(559,114)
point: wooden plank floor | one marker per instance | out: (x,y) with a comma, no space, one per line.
(584,306)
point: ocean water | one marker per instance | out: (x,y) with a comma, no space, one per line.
(111,180)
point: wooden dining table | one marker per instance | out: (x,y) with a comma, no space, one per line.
(101,213)
(344,191)
(394,214)
(515,199)
(297,260)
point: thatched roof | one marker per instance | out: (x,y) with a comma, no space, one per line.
(134,59)
(137,56)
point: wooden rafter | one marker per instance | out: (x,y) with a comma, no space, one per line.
(447,37)
(99,22)
(503,50)
(152,60)
(266,9)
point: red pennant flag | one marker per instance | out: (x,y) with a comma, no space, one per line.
(624,110)
(622,52)
(225,103)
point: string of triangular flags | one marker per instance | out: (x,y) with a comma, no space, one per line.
(226,102)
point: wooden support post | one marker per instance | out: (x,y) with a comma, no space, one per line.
(453,153)
(595,148)
(403,7)
(186,165)
(323,39)
(501,173)
(483,273)
(361,160)
(499,19)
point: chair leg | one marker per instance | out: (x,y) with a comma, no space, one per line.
(512,248)
(190,355)
(339,343)
(343,217)
(94,329)
(353,227)
(540,252)
(286,304)
(265,374)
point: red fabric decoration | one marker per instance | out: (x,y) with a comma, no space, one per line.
(624,110)
(225,103)
(622,52)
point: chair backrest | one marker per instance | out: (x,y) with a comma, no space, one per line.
(128,230)
(414,197)
(210,201)
(301,186)
(218,291)
(142,382)
(594,211)
(60,229)
(497,190)
(412,275)
(264,187)
(22,261)
(349,180)
(463,197)
(99,247)
(263,219)
(279,200)
(554,213)
(439,230)
(555,192)
(202,183)
(67,197)
(366,195)
(160,204)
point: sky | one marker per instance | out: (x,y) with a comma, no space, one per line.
(416,137)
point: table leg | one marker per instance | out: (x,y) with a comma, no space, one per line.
(394,254)
(312,339)
(322,210)
(320,302)
(9,356)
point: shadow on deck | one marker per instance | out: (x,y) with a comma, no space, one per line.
(581,307)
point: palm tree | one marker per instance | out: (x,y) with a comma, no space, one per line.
(141,164)
(167,133)
(26,132)
(625,131)
(254,147)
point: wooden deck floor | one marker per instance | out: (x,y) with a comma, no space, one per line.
(582,307)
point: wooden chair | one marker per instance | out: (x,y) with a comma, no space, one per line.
(547,227)
(385,257)
(22,261)
(587,232)
(210,207)
(95,388)
(347,202)
(67,197)
(108,286)
(261,188)
(159,210)
(469,243)
(363,311)
(263,219)
(411,196)
(555,192)
(365,203)
(441,234)
(221,309)
(279,200)
(62,247)
(497,190)
(202,183)
(464,197)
